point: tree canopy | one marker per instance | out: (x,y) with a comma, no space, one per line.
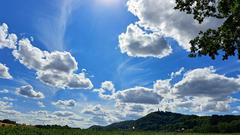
(226,38)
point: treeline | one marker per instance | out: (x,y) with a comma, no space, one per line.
(220,124)
(52,126)
(7,121)
(174,122)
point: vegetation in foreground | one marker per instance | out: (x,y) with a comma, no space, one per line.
(19,130)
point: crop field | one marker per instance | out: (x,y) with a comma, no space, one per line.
(38,131)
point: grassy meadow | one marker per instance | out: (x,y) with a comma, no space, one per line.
(38,131)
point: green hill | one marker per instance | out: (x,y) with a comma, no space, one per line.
(167,121)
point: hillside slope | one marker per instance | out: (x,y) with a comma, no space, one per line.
(167,121)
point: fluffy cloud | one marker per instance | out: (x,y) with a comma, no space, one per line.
(205,82)
(134,110)
(103,116)
(53,68)
(7,40)
(65,103)
(139,95)
(63,113)
(162,87)
(28,91)
(106,86)
(199,90)
(200,104)
(4,73)
(94,110)
(138,43)
(204,90)
(158,19)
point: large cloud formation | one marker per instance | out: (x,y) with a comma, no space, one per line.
(4,73)
(205,82)
(205,90)
(56,69)
(158,19)
(199,90)
(28,91)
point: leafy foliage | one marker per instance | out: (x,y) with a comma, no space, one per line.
(226,38)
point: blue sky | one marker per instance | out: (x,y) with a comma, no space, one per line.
(120,56)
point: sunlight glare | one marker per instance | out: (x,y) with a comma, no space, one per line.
(109,3)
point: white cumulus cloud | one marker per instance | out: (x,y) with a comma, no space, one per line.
(28,91)
(4,72)
(7,40)
(206,82)
(138,43)
(55,69)
(65,103)
(139,95)
(63,113)
(200,90)
(159,19)
(105,87)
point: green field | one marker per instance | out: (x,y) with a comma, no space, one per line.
(37,131)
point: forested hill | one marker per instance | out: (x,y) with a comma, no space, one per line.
(167,121)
